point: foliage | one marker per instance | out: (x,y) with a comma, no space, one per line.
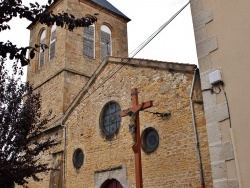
(35,13)
(21,123)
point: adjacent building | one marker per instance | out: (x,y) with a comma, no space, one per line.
(222,41)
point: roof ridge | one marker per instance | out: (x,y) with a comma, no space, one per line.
(160,61)
(106,4)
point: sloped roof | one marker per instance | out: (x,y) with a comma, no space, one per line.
(109,6)
(103,3)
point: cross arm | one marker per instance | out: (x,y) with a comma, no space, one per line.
(137,108)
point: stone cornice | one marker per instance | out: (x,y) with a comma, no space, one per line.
(59,72)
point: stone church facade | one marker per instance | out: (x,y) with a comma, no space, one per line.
(86,77)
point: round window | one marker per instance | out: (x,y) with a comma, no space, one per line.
(149,140)
(110,118)
(78,157)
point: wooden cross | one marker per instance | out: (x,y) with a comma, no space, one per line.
(133,112)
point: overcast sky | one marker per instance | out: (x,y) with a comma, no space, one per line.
(174,44)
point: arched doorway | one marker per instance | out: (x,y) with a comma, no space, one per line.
(111,183)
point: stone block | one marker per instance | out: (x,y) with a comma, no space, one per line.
(226,183)
(221,152)
(214,133)
(233,183)
(222,112)
(164,88)
(206,46)
(196,7)
(228,152)
(215,153)
(219,170)
(205,84)
(220,184)
(202,18)
(205,63)
(200,33)
(216,113)
(209,99)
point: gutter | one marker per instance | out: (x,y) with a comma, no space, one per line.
(64,154)
(195,131)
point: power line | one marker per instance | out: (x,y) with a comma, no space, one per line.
(151,37)
(138,49)
(142,45)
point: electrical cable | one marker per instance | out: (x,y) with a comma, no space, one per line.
(212,90)
(139,48)
(230,123)
(149,39)
(136,51)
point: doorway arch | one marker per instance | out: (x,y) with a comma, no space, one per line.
(118,173)
(111,183)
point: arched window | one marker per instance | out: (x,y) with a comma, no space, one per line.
(42,53)
(106,43)
(52,44)
(89,41)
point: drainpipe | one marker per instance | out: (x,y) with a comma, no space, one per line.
(196,132)
(64,153)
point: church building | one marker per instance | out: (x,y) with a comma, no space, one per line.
(87,79)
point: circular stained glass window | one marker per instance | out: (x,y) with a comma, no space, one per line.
(150,140)
(110,118)
(78,157)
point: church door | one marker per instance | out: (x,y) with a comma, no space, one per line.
(111,183)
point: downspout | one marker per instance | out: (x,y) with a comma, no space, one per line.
(64,153)
(195,131)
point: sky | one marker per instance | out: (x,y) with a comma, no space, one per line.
(174,44)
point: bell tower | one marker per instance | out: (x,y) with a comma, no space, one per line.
(60,71)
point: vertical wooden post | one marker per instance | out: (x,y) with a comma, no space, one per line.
(137,146)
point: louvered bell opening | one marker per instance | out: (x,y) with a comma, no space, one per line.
(42,54)
(52,50)
(88,42)
(53,36)
(52,45)
(41,58)
(105,44)
(88,47)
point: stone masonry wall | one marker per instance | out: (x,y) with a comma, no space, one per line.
(74,57)
(173,164)
(37,75)
(47,158)
(69,63)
